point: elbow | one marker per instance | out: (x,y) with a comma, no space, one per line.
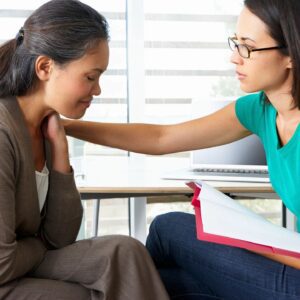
(161,145)
(57,237)
(162,152)
(156,152)
(7,267)
(4,273)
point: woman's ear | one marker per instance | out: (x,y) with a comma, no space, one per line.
(43,67)
(289,63)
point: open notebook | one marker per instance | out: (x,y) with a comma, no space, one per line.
(242,160)
(222,220)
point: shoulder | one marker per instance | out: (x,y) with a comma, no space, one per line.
(7,139)
(9,127)
(7,109)
(5,117)
(11,116)
(250,111)
(257,99)
(251,102)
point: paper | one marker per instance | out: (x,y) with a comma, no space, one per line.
(223,220)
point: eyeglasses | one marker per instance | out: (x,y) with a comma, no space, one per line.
(244,51)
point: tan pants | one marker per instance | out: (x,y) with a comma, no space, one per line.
(108,268)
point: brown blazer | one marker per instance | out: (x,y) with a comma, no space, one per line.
(25,234)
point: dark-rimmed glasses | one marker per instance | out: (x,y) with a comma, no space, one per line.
(244,51)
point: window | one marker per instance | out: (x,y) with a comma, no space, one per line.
(187,57)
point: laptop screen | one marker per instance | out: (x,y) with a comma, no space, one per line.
(247,151)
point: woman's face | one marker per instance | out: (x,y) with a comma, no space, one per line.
(70,89)
(269,70)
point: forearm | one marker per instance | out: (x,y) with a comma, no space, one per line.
(213,130)
(64,211)
(141,138)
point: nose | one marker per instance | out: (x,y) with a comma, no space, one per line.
(235,58)
(97,89)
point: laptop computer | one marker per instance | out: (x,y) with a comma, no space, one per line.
(242,161)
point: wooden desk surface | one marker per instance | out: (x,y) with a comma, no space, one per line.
(142,175)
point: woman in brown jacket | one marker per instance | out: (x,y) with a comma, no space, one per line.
(53,67)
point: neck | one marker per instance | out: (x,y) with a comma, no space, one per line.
(282,99)
(288,116)
(34,111)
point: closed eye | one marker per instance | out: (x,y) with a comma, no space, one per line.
(249,47)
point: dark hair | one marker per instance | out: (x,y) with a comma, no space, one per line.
(283,22)
(63,30)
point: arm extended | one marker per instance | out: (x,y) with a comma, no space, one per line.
(218,128)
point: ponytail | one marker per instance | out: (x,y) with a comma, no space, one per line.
(7,51)
(17,67)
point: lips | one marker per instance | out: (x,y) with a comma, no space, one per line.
(88,101)
(240,75)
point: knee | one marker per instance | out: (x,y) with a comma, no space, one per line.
(169,226)
(168,221)
(115,245)
(129,245)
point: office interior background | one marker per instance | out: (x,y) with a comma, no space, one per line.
(167,58)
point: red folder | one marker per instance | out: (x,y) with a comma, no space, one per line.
(204,236)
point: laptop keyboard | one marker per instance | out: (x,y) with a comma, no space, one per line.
(258,173)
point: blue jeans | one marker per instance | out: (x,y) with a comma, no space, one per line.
(193,269)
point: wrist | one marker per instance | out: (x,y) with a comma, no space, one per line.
(60,157)
(60,143)
(66,124)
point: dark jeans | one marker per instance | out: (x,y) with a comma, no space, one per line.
(192,269)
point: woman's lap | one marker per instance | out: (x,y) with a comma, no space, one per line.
(45,289)
(217,270)
(110,267)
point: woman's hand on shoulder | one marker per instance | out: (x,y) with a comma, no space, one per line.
(53,131)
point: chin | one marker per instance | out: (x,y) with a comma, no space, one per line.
(248,89)
(74,115)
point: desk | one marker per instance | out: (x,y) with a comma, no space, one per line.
(139,177)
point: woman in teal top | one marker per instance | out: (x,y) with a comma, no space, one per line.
(266,55)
